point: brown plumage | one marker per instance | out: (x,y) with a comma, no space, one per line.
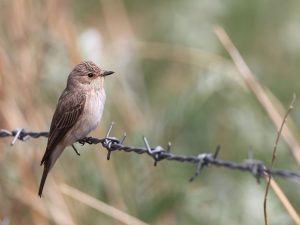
(79,110)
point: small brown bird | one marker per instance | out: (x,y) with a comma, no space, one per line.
(78,112)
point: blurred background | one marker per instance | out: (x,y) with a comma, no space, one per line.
(174,82)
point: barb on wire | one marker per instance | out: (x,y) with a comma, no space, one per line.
(158,153)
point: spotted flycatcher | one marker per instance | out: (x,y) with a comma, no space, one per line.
(78,112)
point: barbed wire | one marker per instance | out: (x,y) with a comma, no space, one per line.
(158,153)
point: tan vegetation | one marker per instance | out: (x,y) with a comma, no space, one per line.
(172,83)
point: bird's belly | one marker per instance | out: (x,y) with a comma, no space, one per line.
(91,115)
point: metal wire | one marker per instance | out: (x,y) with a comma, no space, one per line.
(158,153)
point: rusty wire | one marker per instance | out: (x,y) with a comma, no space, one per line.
(158,153)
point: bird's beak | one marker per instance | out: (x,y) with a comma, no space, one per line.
(106,73)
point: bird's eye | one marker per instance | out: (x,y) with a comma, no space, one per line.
(90,74)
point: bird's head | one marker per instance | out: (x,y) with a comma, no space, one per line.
(86,73)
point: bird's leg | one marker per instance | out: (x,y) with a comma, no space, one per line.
(75,150)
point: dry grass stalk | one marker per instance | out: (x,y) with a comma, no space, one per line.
(284,200)
(100,206)
(264,100)
(259,92)
(274,157)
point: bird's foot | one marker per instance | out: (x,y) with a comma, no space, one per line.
(83,140)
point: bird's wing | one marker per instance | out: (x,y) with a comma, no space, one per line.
(69,108)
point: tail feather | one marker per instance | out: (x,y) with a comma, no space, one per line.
(46,156)
(49,159)
(44,176)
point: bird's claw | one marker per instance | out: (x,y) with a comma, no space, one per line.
(83,141)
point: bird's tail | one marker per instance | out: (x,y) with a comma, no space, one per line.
(47,168)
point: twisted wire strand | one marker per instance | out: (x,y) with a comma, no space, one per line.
(158,153)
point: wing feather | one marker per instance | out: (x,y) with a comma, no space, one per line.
(69,108)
